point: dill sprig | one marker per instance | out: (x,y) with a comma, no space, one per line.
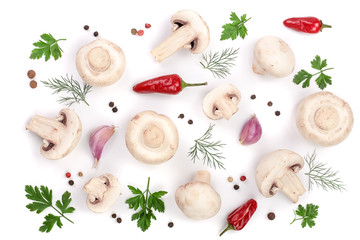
(70,86)
(321,175)
(220,63)
(211,154)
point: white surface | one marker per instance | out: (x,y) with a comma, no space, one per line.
(22,22)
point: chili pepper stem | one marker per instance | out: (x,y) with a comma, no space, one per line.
(324,26)
(185,84)
(229,227)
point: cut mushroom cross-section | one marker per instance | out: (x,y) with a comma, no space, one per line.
(151,137)
(60,135)
(277,171)
(189,31)
(221,102)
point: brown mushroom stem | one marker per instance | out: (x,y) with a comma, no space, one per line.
(290,184)
(202,176)
(46,128)
(183,36)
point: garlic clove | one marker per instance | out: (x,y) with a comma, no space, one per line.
(98,139)
(251,132)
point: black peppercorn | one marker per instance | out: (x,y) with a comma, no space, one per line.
(111,104)
(253,96)
(170,224)
(190,122)
(114,109)
(181,116)
(269,103)
(86,27)
(96,34)
(277,113)
(271,216)
(113,215)
(236,187)
(119,220)
(71,182)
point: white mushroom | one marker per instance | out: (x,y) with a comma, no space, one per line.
(189,31)
(221,102)
(277,170)
(197,199)
(324,119)
(103,191)
(273,56)
(152,137)
(100,63)
(60,135)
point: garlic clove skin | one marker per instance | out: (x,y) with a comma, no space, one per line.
(98,139)
(251,132)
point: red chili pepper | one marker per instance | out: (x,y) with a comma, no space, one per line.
(238,218)
(306,24)
(168,84)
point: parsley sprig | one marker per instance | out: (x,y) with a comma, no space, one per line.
(49,47)
(42,198)
(307,215)
(146,201)
(322,80)
(236,28)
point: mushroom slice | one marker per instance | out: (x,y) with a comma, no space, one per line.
(197,199)
(273,56)
(277,171)
(100,63)
(60,135)
(103,191)
(324,119)
(221,102)
(151,137)
(189,31)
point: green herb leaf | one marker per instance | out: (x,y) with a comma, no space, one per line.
(236,28)
(134,190)
(134,202)
(49,223)
(65,201)
(48,48)
(307,215)
(323,80)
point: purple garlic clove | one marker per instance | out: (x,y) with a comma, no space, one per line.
(97,141)
(251,132)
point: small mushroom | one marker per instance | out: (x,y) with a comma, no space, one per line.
(100,63)
(103,191)
(189,31)
(273,56)
(60,135)
(152,137)
(221,102)
(277,170)
(324,119)
(197,199)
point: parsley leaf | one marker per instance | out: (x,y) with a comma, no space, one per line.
(146,200)
(42,198)
(236,28)
(322,80)
(307,215)
(48,48)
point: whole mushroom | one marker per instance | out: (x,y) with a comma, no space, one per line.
(221,102)
(324,119)
(60,135)
(197,199)
(277,171)
(273,56)
(103,191)
(100,63)
(189,31)
(152,137)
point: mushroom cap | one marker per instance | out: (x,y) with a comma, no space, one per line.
(221,102)
(103,191)
(152,137)
(274,166)
(324,119)
(274,56)
(199,26)
(197,199)
(100,63)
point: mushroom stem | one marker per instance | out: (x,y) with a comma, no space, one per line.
(178,39)
(46,128)
(228,109)
(202,176)
(290,184)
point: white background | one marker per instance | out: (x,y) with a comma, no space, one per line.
(22,22)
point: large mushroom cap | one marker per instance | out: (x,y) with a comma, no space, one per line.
(61,135)
(152,137)
(198,25)
(221,102)
(324,119)
(100,63)
(197,199)
(103,191)
(273,56)
(277,170)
